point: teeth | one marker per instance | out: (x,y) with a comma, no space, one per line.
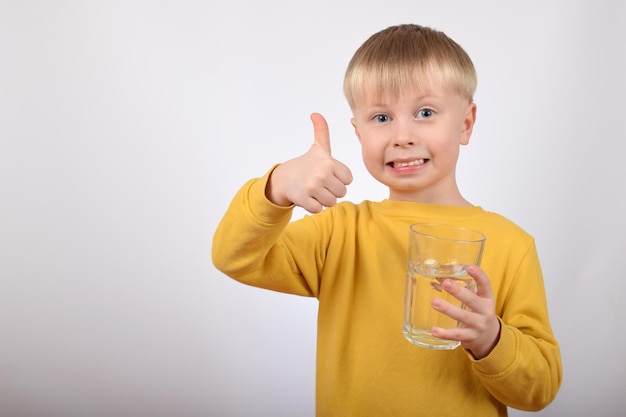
(408,164)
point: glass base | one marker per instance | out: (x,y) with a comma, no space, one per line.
(423,338)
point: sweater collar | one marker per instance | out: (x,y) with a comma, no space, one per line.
(429,211)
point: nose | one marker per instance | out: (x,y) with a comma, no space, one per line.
(402,141)
(403,136)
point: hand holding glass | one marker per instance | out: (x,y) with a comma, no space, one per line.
(437,252)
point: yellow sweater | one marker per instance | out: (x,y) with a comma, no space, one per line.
(353,258)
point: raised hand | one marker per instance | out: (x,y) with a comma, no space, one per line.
(314,180)
(480,329)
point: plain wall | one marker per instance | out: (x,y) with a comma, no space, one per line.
(126,127)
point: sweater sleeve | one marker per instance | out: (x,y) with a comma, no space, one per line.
(524,370)
(248,244)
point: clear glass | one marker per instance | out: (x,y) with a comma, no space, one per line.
(436,252)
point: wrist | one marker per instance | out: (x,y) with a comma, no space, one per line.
(484,350)
(272,191)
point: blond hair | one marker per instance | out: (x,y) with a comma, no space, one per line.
(408,56)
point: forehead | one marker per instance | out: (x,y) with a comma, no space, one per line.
(372,91)
(378,83)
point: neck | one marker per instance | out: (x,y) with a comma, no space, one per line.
(446,199)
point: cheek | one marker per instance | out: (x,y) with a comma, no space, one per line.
(447,141)
(371,151)
(446,153)
(373,162)
(366,155)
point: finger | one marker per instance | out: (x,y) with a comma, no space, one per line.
(321,132)
(461,334)
(462,293)
(470,300)
(458,333)
(453,311)
(483,285)
(343,173)
(337,187)
(325,197)
(311,205)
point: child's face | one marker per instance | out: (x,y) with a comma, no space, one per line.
(411,142)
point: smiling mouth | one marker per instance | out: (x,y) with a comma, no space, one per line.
(403,164)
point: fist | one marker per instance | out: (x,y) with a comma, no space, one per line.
(314,180)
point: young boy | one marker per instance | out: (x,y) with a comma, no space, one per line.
(410,89)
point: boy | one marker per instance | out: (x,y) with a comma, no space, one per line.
(410,89)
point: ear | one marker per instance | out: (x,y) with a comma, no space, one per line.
(356,129)
(468,123)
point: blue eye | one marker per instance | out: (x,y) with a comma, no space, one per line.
(426,113)
(381,118)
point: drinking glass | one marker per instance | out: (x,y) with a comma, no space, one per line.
(437,252)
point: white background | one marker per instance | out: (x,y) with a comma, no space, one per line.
(126,127)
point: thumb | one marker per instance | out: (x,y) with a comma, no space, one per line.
(321,132)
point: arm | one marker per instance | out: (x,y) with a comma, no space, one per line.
(524,368)
(247,243)
(250,244)
(313,180)
(516,356)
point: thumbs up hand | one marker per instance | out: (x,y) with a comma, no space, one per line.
(313,180)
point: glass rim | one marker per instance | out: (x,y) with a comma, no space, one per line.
(480,237)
